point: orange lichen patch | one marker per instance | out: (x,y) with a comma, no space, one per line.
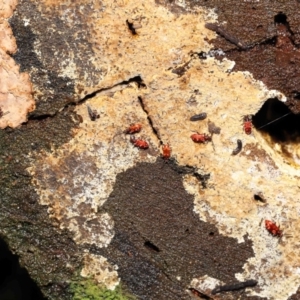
(7,40)
(15,93)
(15,88)
(7,7)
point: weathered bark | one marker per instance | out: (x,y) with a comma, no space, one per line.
(78,197)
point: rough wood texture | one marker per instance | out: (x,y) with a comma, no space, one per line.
(92,202)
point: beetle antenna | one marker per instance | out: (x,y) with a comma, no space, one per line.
(274,120)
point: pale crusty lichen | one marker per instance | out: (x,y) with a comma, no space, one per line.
(78,178)
(82,173)
(101,270)
(15,88)
(163,40)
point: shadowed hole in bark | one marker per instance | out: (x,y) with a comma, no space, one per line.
(131,27)
(278,121)
(15,282)
(258,198)
(283,33)
(280,18)
(138,80)
(296,95)
(202,55)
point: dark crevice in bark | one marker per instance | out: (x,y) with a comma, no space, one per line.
(151,246)
(15,282)
(217,52)
(202,178)
(137,79)
(131,27)
(42,117)
(283,29)
(155,131)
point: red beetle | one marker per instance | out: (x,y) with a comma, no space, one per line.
(139,143)
(247,124)
(166,151)
(273,228)
(133,128)
(200,138)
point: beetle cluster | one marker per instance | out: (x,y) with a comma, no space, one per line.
(142,144)
(200,138)
(247,127)
(139,143)
(196,137)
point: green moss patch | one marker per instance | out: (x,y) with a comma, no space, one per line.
(87,289)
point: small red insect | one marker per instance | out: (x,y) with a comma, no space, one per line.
(133,128)
(273,228)
(200,138)
(247,124)
(139,143)
(166,151)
